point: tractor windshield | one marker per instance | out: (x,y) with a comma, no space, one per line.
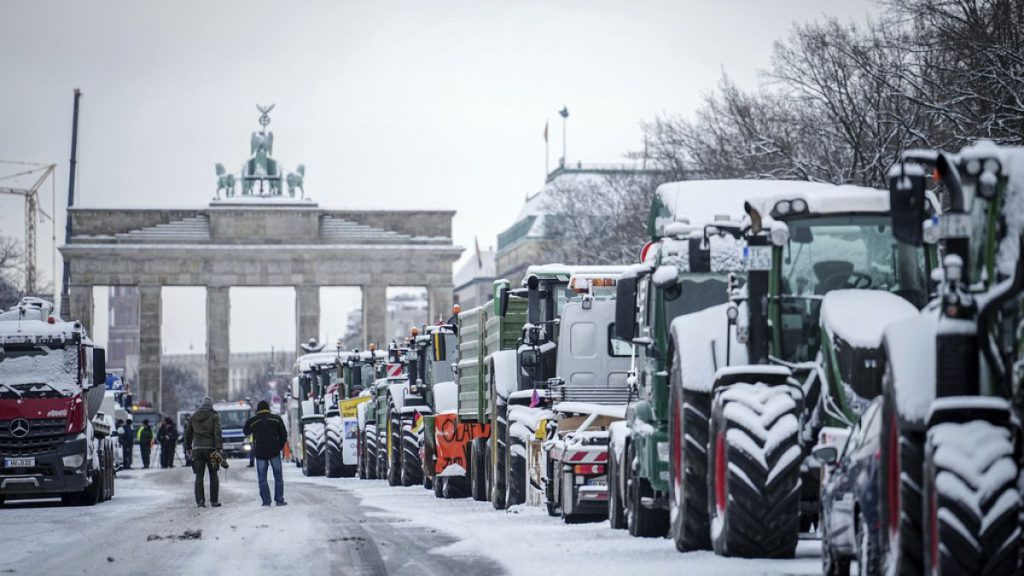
(828,253)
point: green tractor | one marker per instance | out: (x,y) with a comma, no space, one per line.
(801,340)
(951,436)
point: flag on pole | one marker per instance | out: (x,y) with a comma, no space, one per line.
(545,130)
(564,112)
(479,259)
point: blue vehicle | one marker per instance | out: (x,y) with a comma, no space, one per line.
(232,417)
(850,519)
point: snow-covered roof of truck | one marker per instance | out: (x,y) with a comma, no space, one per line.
(567,271)
(306,362)
(36,319)
(824,198)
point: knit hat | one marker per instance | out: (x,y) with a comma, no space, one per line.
(207,402)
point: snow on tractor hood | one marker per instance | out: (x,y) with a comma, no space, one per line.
(910,351)
(825,199)
(306,362)
(700,343)
(859,317)
(446,397)
(703,202)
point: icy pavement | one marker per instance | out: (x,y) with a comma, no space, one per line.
(151,526)
(331,526)
(526,540)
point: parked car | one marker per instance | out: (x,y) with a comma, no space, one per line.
(850,518)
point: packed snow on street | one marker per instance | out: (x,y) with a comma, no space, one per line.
(332,526)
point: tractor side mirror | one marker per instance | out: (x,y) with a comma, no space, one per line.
(826,454)
(99,367)
(907,202)
(501,298)
(625,309)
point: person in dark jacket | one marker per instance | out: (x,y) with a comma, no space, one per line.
(202,439)
(145,439)
(167,436)
(268,438)
(127,440)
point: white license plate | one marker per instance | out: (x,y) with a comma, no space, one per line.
(956,225)
(758,257)
(19,462)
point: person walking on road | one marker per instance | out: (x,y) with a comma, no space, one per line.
(167,437)
(202,439)
(127,440)
(268,438)
(145,439)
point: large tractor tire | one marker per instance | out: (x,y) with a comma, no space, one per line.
(382,453)
(972,501)
(438,487)
(498,457)
(690,526)
(370,452)
(394,452)
(901,495)
(515,469)
(754,485)
(313,449)
(412,466)
(455,486)
(641,521)
(333,464)
(616,510)
(477,469)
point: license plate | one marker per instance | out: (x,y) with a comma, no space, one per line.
(758,257)
(955,225)
(19,462)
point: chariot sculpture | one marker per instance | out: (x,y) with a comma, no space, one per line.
(261,174)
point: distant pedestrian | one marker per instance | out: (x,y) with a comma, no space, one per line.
(268,438)
(188,456)
(145,439)
(127,441)
(167,437)
(202,439)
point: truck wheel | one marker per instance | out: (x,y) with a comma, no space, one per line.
(394,452)
(515,470)
(333,463)
(688,465)
(616,512)
(361,455)
(313,449)
(456,487)
(412,467)
(108,469)
(551,501)
(498,449)
(900,496)
(754,485)
(477,465)
(642,521)
(971,500)
(370,453)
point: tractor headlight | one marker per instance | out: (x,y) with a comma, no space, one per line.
(799,206)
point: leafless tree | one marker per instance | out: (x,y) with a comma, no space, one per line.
(598,220)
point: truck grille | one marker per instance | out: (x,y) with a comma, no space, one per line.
(590,394)
(44,435)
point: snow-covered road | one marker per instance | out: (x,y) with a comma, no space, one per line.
(343,526)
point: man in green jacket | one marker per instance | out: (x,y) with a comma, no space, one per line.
(202,439)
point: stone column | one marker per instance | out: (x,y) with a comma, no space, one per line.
(150,321)
(307,316)
(375,315)
(81,306)
(439,302)
(218,341)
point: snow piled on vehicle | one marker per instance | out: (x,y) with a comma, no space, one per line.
(910,350)
(42,369)
(1013,208)
(859,317)
(700,340)
(446,397)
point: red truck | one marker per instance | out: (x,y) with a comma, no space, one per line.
(51,388)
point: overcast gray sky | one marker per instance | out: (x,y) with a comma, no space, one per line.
(389,104)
